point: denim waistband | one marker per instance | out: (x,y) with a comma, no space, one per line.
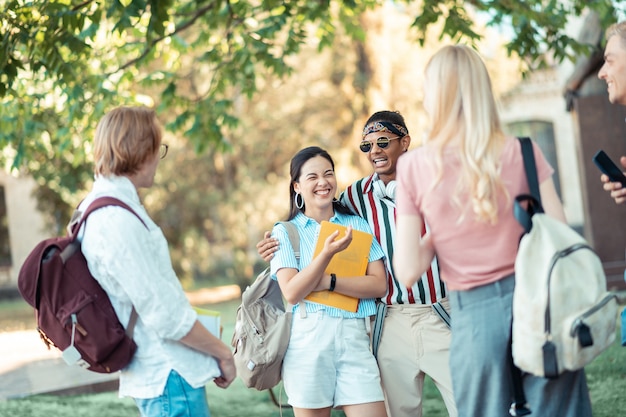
(495,289)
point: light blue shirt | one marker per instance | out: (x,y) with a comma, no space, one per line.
(308,230)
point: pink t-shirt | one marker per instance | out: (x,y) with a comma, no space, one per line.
(470,253)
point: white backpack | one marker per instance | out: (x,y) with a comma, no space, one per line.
(563,315)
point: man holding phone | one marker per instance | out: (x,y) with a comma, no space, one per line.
(614,73)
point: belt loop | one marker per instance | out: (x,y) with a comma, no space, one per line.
(505,285)
(457,295)
(302,310)
(499,287)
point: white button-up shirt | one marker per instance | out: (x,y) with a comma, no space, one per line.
(132,263)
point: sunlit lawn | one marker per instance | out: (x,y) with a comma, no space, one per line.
(606,376)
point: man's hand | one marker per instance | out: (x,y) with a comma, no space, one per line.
(267,246)
(229,372)
(617,191)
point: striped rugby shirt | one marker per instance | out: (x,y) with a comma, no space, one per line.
(380,213)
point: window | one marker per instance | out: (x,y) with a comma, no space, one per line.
(5,246)
(543,134)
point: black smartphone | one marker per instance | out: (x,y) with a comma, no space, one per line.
(608,167)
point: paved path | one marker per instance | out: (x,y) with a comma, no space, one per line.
(27,367)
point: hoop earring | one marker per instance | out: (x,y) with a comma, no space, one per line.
(295,200)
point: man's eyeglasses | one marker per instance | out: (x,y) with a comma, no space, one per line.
(163,150)
(382,143)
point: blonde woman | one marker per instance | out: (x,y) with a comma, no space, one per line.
(462,182)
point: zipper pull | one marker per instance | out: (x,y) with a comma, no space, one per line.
(584,335)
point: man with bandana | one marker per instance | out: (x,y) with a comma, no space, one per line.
(410,333)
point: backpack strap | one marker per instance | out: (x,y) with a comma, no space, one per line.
(519,407)
(294,239)
(132,321)
(78,219)
(530,168)
(533,200)
(377,327)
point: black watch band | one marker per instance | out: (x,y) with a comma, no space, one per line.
(333,282)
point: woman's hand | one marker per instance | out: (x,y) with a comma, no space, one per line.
(334,244)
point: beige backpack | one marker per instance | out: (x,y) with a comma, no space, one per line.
(263,327)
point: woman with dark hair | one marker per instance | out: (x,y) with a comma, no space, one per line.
(328,363)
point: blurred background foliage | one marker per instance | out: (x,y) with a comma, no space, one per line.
(239,86)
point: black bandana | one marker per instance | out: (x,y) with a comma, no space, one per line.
(385,127)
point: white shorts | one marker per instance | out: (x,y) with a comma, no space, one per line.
(329,363)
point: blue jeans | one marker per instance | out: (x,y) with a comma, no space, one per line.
(179,399)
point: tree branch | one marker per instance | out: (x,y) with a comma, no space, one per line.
(179,29)
(81,5)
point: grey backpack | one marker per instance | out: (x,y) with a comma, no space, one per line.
(263,328)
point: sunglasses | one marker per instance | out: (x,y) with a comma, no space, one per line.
(382,143)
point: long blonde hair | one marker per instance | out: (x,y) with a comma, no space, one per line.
(462,109)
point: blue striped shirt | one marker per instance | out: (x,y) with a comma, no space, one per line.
(308,230)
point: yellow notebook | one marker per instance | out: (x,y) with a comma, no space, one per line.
(351,262)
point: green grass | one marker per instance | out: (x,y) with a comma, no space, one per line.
(16,314)
(606,377)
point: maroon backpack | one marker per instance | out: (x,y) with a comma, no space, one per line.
(72,310)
